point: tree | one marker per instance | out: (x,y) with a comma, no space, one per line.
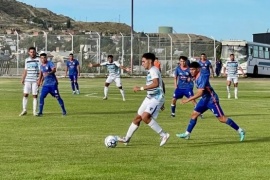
(68,24)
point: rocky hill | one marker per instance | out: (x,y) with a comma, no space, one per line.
(26,18)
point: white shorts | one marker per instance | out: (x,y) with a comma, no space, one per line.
(232,79)
(117,80)
(30,87)
(151,106)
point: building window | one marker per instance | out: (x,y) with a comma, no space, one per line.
(266,53)
(255,51)
(261,52)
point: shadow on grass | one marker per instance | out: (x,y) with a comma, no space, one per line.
(88,113)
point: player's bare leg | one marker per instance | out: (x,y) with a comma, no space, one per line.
(106,89)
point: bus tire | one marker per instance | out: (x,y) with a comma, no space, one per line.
(255,71)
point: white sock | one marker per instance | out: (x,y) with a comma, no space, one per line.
(228,89)
(106,89)
(122,93)
(34,104)
(240,130)
(154,125)
(235,91)
(25,99)
(187,133)
(132,128)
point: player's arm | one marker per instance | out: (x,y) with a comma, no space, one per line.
(79,69)
(155,84)
(93,65)
(212,70)
(175,82)
(40,78)
(242,71)
(198,94)
(125,68)
(224,70)
(24,75)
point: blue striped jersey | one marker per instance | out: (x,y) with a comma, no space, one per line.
(32,68)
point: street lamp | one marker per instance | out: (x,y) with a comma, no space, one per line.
(45,34)
(131,39)
(189,46)
(17,54)
(171,50)
(71,42)
(214,48)
(148,42)
(123,51)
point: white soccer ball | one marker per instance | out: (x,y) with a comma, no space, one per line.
(110,141)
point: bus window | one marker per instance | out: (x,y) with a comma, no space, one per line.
(250,50)
(255,52)
(266,53)
(261,53)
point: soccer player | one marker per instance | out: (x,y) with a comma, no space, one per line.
(73,69)
(114,75)
(232,67)
(183,83)
(151,105)
(206,66)
(29,80)
(50,84)
(209,100)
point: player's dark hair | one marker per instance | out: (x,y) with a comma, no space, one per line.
(231,54)
(194,65)
(156,58)
(110,56)
(203,54)
(183,57)
(149,56)
(32,48)
(71,54)
(43,54)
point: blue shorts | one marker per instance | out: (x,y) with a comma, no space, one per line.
(180,93)
(205,104)
(53,90)
(73,77)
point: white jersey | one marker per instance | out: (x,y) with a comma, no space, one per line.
(157,93)
(32,68)
(113,68)
(232,68)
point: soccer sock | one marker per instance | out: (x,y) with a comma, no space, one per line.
(25,99)
(72,86)
(77,85)
(231,123)
(154,125)
(41,104)
(173,108)
(122,93)
(131,130)
(228,89)
(61,103)
(34,104)
(235,91)
(191,125)
(106,89)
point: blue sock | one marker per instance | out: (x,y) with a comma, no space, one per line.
(41,104)
(61,103)
(191,125)
(231,123)
(77,85)
(173,108)
(72,86)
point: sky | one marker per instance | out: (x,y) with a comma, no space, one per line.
(218,19)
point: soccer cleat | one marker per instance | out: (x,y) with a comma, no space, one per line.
(123,140)
(77,92)
(201,115)
(64,113)
(39,114)
(23,113)
(164,139)
(242,135)
(235,97)
(124,99)
(105,98)
(172,115)
(229,96)
(183,135)
(74,92)
(35,114)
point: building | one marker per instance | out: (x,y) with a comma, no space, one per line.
(262,38)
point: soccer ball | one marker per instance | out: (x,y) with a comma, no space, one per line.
(110,141)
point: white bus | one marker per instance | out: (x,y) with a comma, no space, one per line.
(254,58)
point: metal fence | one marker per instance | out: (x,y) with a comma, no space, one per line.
(94,48)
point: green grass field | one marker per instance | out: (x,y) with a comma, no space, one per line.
(72,147)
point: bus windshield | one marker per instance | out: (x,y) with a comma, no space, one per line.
(240,52)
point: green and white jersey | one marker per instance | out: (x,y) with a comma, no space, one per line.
(32,67)
(232,68)
(113,68)
(157,93)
